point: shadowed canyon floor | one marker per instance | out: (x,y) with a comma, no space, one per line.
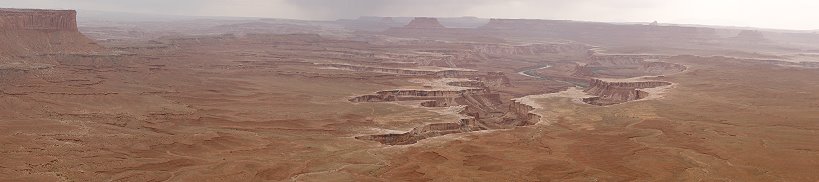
(271,100)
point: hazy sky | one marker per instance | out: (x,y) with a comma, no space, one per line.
(785,14)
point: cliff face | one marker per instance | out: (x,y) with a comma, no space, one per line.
(36,32)
(43,20)
(609,93)
(523,112)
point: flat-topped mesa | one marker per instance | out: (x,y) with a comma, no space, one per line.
(609,93)
(41,20)
(424,23)
(39,32)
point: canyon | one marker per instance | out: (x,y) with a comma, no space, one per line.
(401,99)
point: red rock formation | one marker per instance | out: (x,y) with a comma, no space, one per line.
(424,23)
(27,32)
(44,20)
(609,93)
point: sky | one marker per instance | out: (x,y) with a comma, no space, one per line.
(780,14)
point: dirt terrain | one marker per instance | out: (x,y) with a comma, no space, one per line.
(378,99)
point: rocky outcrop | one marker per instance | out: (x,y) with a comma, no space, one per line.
(424,23)
(609,93)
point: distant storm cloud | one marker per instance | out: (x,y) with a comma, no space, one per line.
(790,14)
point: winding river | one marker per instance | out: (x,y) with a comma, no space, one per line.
(532,72)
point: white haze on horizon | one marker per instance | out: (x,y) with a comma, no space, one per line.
(779,14)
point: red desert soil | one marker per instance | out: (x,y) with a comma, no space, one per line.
(405,104)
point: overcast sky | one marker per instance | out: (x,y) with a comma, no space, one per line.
(784,14)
